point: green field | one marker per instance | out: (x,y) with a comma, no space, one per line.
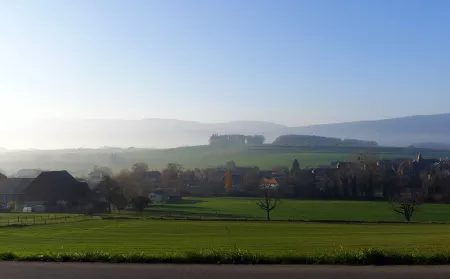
(8,219)
(232,208)
(143,239)
(268,156)
(80,162)
(272,238)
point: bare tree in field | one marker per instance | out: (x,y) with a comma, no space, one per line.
(407,204)
(269,201)
(108,188)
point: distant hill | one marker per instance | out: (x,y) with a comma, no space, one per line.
(431,145)
(394,132)
(168,133)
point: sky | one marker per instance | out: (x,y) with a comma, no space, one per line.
(288,62)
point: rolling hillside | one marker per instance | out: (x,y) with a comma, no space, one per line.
(80,161)
(167,133)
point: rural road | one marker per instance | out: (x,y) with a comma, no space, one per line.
(16,270)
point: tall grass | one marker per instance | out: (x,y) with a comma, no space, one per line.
(239,256)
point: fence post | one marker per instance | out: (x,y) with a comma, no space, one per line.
(34,220)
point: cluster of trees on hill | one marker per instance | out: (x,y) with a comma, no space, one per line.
(320,141)
(303,140)
(235,139)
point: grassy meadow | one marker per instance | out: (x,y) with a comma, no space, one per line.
(246,208)
(194,241)
(267,156)
(80,162)
(154,237)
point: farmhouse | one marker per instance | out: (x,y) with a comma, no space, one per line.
(58,190)
(269,183)
(55,189)
(159,196)
(277,174)
(12,189)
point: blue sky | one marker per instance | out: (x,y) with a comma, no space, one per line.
(289,62)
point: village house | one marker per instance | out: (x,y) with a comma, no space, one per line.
(161,196)
(158,196)
(269,183)
(57,190)
(12,190)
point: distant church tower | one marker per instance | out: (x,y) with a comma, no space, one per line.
(419,157)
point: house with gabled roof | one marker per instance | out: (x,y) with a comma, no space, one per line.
(269,183)
(55,188)
(12,189)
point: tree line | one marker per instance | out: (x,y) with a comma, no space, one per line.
(365,178)
(306,140)
(132,187)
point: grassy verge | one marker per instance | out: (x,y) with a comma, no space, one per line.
(238,256)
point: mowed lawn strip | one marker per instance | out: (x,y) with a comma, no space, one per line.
(296,209)
(272,238)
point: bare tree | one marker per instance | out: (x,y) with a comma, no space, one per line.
(407,204)
(269,202)
(111,191)
(130,184)
(170,176)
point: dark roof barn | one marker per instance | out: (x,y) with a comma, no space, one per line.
(11,186)
(52,186)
